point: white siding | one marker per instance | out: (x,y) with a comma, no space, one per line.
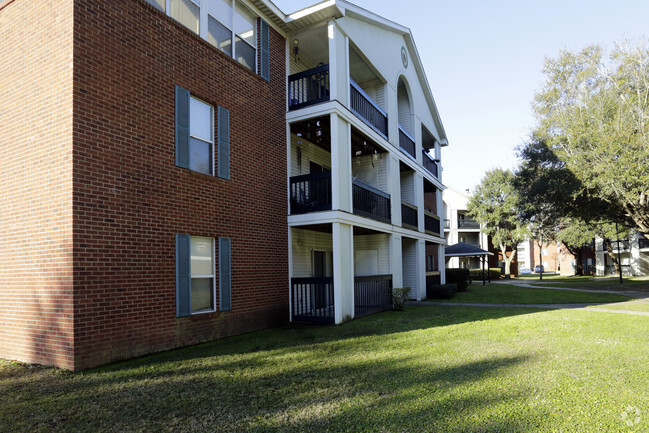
(404,106)
(307,152)
(373,170)
(408,187)
(304,242)
(378,243)
(409,259)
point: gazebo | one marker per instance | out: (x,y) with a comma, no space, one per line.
(462,249)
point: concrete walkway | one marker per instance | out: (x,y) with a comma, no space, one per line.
(641,298)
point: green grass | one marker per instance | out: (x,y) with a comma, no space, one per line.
(595,283)
(631,306)
(428,369)
(495,293)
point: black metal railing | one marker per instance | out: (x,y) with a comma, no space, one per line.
(468,224)
(622,246)
(312,300)
(643,242)
(365,108)
(310,192)
(430,164)
(447,224)
(406,142)
(308,87)
(370,202)
(372,294)
(431,223)
(409,215)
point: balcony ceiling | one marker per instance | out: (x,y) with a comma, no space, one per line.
(320,135)
(361,72)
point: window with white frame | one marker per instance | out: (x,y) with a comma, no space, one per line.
(227,24)
(201,136)
(202,289)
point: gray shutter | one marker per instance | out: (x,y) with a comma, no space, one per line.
(183,276)
(265,51)
(225,290)
(182,127)
(223,159)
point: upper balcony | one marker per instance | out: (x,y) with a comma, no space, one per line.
(312,87)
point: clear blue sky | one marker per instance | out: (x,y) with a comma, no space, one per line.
(484,61)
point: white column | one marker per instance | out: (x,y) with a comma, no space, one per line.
(343,257)
(396,260)
(441,264)
(394,188)
(341,164)
(419,201)
(421,269)
(338,64)
(290,273)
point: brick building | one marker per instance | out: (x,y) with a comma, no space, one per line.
(107,182)
(149,162)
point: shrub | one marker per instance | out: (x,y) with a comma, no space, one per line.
(494,274)
(459,276)
(399,297)
(441,291)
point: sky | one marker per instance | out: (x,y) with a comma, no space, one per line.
(484,61)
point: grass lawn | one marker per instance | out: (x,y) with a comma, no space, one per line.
(428,369)
(631,306)
(601,283)
(495,293)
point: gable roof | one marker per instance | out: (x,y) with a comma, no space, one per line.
(462,249)
(333,9)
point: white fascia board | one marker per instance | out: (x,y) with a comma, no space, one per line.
(336,216)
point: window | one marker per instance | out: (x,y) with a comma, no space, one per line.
(195,135)
(201,136)
(544,252)
(187,13)
(196,273)
(227,24)
(202,274)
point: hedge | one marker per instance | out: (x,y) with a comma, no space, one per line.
(494,274)
(441,291)
(459,276)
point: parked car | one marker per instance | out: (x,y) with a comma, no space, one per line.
(538,269)
(525,271)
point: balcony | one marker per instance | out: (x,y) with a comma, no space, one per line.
(406,142)
(367,110)
(447,224)
(370,202)
(431,223)
(409,215)
(308,88)
(310,192)
(312,300)
(372,294)
(622,246)
(643,242)
(430,164)
(468,224)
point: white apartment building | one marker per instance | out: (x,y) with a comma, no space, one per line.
(459,227)
(364,150)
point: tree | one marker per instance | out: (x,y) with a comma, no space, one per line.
(575,234)
(495,205)
(594,115)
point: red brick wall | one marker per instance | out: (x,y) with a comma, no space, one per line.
(130,199)
(35,182)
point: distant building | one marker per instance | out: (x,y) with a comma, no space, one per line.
(556,258)
(634,255)
(459,227)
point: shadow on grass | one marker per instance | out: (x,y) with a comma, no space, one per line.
(372,374)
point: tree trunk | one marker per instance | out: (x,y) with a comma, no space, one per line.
(578,255)
(507,260)
(612,255)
